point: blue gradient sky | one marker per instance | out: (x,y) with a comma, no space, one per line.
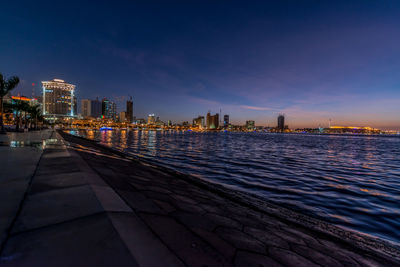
(312,60)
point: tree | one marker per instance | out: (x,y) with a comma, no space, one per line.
(5,87)
(34,112)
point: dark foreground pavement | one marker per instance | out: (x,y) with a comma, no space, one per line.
(88,205)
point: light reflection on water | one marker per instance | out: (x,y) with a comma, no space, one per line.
(353,181)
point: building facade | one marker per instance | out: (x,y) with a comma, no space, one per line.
(91,108)
(250,125)
(151,119)
(212,121)
(59,100)
(226,121)
(129,110)
(281,122)
(198,122)
(108,109)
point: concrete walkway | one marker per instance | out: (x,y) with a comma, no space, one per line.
(90,206)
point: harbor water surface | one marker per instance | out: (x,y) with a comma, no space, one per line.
(352,181)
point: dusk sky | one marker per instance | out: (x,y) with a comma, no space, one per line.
(311,60)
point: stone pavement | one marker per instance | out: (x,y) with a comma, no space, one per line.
(19,156)
(90,206)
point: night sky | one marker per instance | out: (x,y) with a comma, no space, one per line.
(311,60)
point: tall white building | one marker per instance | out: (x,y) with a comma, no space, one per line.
(59,100)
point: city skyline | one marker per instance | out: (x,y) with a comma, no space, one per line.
(311,62)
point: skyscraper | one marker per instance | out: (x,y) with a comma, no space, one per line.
(212,121)
(198,122)
(226,121)
(109,109)
(59,99)
(281,122)
(91,108)
(129,110)
(151,119)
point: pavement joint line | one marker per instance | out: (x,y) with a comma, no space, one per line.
(58,223)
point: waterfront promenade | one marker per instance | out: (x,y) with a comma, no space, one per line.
(69,201)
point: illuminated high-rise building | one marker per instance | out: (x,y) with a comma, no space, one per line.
(129,110)
(198,122)
(59,100)
(151,119)
(226,120)
(91,108)
(109,109)
(212,121)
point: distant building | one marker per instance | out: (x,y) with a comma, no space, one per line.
(129,110)
(198,122)
(151,120)
(91,108)
(281,122)
(169,123)
(250,125)
(212,121)
(140,121)
(59,100)
(122,116)
(226,121)
(108,109)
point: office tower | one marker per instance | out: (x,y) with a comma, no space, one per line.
(250,125)
(59,99)
(122,116)
(151,119)
(108,109)
(281,122)
(85,108)
(212,121)
(226,120)
(169,123)
(129,110)
(198,122)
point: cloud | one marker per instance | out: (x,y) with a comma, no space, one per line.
(255,108)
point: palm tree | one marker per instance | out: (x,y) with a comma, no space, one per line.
(34,112)
(5,87)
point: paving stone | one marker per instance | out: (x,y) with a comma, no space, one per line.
(240,240)
(91,241)
(57,206)
(211,209)
(64,166)
(289,258)
(214,240)
(248,259)
(43,183)
(267,237)
(193,208)
(185,199)
(224,221)
(308,238)
(289,237)
(190,248)
(315,256)
(109,199)
(139,202)
(158,189)
(144,245)
(194,220)
(165,206)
